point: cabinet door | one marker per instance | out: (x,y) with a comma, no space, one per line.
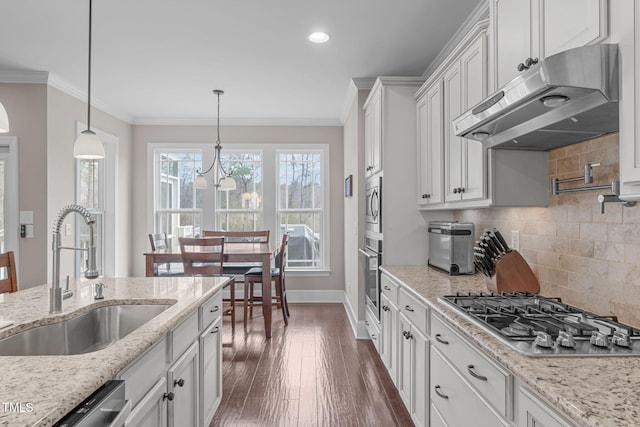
(151,411)
(373,134)
(534,413)
(211,369)
(183,382)
(430,140)
(452,143)
(389,346)
(420,391)
(404,361)
(473,65)
(571,23)
(513,37)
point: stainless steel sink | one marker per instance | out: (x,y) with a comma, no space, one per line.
(91,331)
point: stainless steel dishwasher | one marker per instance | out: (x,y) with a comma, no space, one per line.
(105,407)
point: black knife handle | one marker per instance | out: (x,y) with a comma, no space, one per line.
(497,243)
(504,242)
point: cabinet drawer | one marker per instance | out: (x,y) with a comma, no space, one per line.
(145,371)
(414,310)
(373,327)
(455,400)
(184,335)
(491,381)
(210,311)
(389,288)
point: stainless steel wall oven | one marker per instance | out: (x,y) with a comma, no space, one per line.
(372,254)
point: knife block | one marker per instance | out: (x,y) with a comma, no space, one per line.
(513,274)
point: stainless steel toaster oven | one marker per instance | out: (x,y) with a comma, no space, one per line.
(451,247)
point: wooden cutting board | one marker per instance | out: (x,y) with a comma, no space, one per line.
(513,274)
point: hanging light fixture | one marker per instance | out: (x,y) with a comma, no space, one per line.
(4,120)
(88,145)
(221,179)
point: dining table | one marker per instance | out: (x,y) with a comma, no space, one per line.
(254,252)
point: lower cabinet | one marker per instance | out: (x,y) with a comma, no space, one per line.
(373,328)
(534,413)
(389,340)
(210,371)
(178,381)
(413,370)
(183,388)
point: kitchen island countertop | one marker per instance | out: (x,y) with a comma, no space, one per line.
(589,391)
(39,390)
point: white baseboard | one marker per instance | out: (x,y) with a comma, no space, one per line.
(357,326)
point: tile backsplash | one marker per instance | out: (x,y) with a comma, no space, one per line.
(587,258)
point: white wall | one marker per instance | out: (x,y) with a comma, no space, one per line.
(143,135)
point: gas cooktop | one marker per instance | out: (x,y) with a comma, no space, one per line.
(541,326)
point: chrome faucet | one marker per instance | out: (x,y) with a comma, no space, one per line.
(55,293)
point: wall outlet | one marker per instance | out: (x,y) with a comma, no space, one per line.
(515,240)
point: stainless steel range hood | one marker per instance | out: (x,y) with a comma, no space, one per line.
(568,97)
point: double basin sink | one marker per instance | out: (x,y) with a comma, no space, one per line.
(91,331)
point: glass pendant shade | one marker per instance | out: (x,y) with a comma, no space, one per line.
(227,184)
(4,120)
(88,146)
(200,183)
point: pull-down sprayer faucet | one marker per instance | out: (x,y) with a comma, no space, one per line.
(55,293)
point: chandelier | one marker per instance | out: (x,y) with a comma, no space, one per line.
(221,179)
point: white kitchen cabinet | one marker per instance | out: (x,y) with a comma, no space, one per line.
(532,412)
(373,132)
(389,325)
(211,371)
(183,387)
(465,84)
(430,145)
(456,402)
(540,28)
(413,370)
(373,328)
(151,411)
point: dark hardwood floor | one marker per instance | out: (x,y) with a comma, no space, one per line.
(311,373)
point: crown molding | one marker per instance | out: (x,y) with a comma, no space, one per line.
(355,84)
(481,12)
(258,121)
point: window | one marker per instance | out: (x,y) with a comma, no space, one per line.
(90,194)
(301,206)
(277,188)
(8,195)
(178,206)
(241,210)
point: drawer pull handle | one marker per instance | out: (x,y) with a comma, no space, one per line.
(440,340)
(179,383)
(366,323)
(385,308)
(439,393)
(386,288)
(408,308)
(472,371)
(407,335)
(215,330)
(216,308)
(373,337)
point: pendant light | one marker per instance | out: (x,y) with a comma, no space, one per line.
(88,145)
(221,179)
(4,120)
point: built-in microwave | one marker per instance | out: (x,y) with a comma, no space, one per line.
(373,208)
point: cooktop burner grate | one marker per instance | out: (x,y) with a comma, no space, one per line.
(542,326)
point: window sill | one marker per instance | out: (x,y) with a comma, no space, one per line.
(307,273)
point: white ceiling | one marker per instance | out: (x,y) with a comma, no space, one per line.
(158,60)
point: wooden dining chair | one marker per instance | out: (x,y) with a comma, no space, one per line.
(161,241)
(254,276)
(204,256)
(8,263)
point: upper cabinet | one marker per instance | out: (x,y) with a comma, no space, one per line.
(535,29)
(373,132)
(430,138)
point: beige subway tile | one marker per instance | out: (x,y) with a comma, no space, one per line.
(548,259)
(578,213)
(558,153)
(612,212)
(569,230)
(558,277)
(626,313)
(632,254)
(572,263)
(583,248)
(631,215)
(568,165)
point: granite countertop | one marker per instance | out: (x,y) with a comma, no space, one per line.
(589,391)
(39,390)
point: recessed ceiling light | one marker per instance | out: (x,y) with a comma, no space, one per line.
(318,37)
